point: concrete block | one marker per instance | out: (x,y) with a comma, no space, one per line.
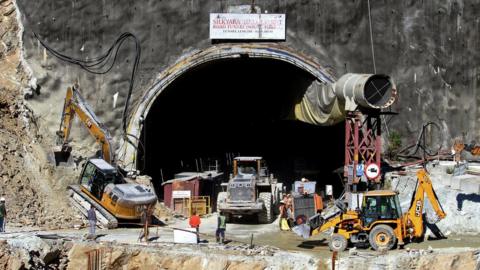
(456,181)
(445,180)
(470,186)
(447,163)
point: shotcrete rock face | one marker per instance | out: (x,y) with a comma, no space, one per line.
(428,47)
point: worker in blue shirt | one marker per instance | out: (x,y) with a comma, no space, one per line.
(360,170)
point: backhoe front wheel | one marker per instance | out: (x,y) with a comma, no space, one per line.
(382,237)
(338,242)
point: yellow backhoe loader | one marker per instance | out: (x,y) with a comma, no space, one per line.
(379,222)
(101,183)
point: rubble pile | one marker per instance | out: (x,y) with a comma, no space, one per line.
(23,171)
(34,253)
(453,259)
(54,251)
(253,250)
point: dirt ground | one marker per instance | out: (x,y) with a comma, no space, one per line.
(271,249)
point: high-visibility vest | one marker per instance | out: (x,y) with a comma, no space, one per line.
(221,222)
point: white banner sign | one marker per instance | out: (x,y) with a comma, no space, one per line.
(181,194)
(247,26)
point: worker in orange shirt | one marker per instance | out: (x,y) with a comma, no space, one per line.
(195,223)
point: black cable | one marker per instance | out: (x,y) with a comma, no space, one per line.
(103,64)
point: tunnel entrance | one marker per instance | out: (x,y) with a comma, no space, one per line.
(238,106)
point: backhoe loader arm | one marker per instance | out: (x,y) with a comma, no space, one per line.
(76,105)
(415,212)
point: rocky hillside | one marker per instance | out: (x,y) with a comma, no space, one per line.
(25,175)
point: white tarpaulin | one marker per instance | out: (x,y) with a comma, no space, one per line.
(247,26)
(185,236)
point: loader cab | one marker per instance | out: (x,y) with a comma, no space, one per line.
(380,205)
(96,175)
(250,167)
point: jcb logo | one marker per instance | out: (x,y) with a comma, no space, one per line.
(89,123)
(418,208)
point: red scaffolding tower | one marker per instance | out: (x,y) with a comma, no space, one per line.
(363,142)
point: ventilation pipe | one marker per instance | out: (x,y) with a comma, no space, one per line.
(325,104)
(371,91)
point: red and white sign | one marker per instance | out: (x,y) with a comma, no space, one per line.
(372,171)
(247,26)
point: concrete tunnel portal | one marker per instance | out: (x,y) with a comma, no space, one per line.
(237,105)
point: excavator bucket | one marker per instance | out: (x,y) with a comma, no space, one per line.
(62,155)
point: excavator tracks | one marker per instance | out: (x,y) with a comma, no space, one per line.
(82,201)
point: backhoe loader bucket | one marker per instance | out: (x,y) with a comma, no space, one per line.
(62,154)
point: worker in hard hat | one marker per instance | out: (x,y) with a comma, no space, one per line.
(3,214)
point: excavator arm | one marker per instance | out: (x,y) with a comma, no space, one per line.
(76,105)
(414,216)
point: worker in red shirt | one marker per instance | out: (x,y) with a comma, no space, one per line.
(195,223)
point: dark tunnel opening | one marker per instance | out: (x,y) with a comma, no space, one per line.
(232,107)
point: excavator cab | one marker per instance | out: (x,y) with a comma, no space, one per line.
(380,205)
(96,175)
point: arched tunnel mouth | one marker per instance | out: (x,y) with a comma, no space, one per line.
(238,107)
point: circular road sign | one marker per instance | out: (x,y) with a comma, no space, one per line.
(372,171)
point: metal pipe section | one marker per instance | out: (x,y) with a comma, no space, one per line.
(373,91)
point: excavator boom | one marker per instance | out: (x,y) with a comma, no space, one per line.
(76,105)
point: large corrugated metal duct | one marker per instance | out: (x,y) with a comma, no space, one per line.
(372,91)
(325,104)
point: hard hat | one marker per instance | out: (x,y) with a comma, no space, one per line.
(2,199)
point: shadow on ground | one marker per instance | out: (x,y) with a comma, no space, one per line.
(313,243)
(461,197)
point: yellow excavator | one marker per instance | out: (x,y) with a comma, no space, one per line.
(379,222)
(101,182)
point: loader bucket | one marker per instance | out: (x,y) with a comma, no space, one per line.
(62,155)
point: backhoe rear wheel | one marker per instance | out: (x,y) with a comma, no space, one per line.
(382,237)
(337,242)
